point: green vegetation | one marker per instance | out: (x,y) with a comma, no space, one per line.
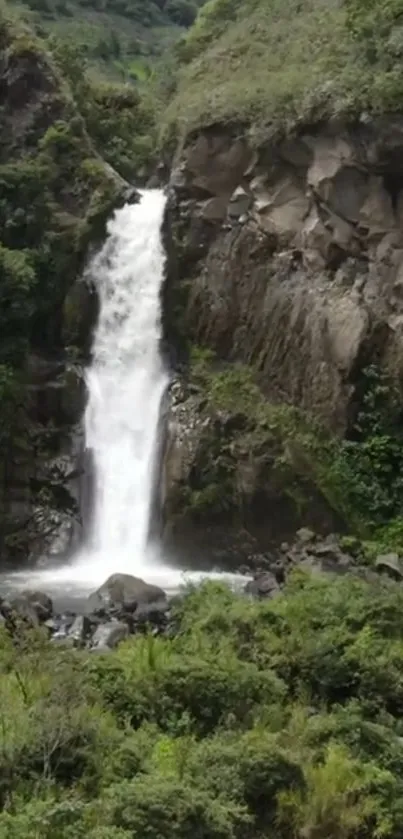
(247,62)
(262,719)
(121,39)
(119,118)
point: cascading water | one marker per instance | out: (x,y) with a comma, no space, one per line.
(126,382)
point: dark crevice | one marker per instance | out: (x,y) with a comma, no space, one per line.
(393,184)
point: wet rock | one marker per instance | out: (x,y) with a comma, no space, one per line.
(52,624)
(263,586)
(152,614)
(390,564)
(304,535)
(122,591)
(32,606)
(79,315)
(59,625)
(177,180)
(60,399)
(130,195)
(109,635)
(79,630)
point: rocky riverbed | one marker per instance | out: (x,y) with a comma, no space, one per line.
(126,605)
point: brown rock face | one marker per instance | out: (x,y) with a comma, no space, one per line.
(292,257)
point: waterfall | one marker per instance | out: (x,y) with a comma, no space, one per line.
(126,381)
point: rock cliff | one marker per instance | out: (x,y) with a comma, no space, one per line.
(288,259)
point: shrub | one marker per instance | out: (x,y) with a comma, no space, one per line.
(170,809)
(205,689)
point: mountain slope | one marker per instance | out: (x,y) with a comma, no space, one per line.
(270,61)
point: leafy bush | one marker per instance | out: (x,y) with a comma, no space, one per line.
(165,688)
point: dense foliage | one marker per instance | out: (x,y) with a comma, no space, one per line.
(120,38)
(254,719)
(119,118)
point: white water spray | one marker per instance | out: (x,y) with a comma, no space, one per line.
(126,382)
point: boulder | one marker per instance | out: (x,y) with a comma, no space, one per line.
(108,635)
(263,586)
(390,564)
(124,592)
(33,606)
(331,554)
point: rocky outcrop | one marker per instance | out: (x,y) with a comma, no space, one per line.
(313,555)
(290,257)
(109,618)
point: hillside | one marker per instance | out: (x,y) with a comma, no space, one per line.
(119,38)
(275,62)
